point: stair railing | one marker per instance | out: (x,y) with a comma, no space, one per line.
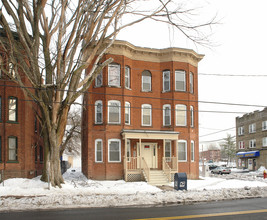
(146,169)
(166,168)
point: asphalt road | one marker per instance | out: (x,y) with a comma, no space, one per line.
(234,209)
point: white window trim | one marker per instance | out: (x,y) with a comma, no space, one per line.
(251,126)
(241,143)
(241,130)
(168,141)
(163,87)
(127,77)
(150,89)
(109,140)
(191,82)
(192,159)
(150,108)
(99,75)
(96,141)
(252,141)
(164,109)
(129,108)
(184,74)
(119,111)
(182,141)
(191,116)
(128,150)
(112,84)
(176,119)
(96,103)
(264,144)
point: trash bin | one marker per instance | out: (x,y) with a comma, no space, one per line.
(180,181)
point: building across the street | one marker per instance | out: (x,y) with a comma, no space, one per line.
(211,155)
(141,115)
(21,145)
(251,140)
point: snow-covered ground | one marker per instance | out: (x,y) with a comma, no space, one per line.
(22,194)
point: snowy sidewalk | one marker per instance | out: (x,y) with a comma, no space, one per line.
(77,192)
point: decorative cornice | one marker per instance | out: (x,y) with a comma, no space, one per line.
(155,55)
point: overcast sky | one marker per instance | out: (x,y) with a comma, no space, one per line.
(241,50)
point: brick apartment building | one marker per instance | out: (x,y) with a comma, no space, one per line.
(142,115)
(211,155)
(21,148)
(251,140)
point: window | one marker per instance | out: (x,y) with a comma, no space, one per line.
(1,63)
(252,143)
(35,124)
(241,145)
(0,108)
(0,149)
(192,116)
(252,128)
(11,70)
(168,149)
(98,150)
(114,75)
(114,112)
(127,113)
(128,150)
(182,150)
(35,153)
(166,115)
(98,112)
(264,142)
(180,115)
(192,151)
(99,80)
(146,115)
(127,77)
(146,81)
(166,81)
(241,130)
(191,82)
(264,123)
(180,82)
(41,152)
(12,109)
(12,149)
(114,150)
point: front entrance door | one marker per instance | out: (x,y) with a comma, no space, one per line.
(150,153)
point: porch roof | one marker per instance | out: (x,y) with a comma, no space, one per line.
(149,134)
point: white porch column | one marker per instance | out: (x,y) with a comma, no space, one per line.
(164,147)
(140,152)
(176,144)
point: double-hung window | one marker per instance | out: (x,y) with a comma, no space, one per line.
(114,75)
(128,150)
(114,112)
(264,124)
(114,150)
(182,150)
(191,83)
(146,115)
(98,112)
(146,81)
(180,80)
(252,143)
(191,116)
(264,142)
(241,145)
(180,112)
(241,130)
(127,111)
(166,81)
(127,77)
(12,149)
(192,151)
(12,109)
(98,150)
(168,150)
(252,128)
(166,115)
(99,80)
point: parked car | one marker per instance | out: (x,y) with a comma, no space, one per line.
(221,170)
(212,166)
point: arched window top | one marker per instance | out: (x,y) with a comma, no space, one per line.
(146,73)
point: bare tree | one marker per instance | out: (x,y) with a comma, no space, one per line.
(55,41)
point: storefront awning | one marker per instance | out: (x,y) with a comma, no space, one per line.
(249,154)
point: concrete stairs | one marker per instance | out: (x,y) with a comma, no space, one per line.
(157,178)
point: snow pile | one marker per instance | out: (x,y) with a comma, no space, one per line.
(21,194)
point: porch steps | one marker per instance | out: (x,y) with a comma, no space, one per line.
(157,178)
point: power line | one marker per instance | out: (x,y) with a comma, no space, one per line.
(217,132)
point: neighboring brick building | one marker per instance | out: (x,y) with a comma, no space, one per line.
(251,140)
(211,155)
(148,98)
(21,148)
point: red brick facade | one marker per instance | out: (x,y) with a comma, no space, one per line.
(21,148)
(139,60)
